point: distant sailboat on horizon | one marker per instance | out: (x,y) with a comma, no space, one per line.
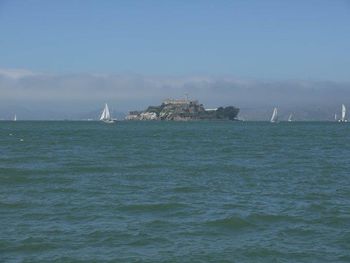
(274,117)
(106,116)
(343,114)
(290,118)
(15,118)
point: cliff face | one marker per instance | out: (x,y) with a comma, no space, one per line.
(183,110)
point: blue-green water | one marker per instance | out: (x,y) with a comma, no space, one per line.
(174,192)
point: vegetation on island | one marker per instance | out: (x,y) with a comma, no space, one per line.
(229,113)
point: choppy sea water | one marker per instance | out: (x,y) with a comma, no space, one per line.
(174,192)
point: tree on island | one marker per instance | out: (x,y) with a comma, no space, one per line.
(229,112)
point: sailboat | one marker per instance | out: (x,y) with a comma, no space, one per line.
(343,114)
(15,118)
(106,116)
(335,117)
(290,118)
(274,117)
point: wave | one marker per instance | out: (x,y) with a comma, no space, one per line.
(273,218)
(157,207)
(253,220)
(234,223)
(186,189)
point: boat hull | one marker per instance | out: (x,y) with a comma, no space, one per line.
(108,121)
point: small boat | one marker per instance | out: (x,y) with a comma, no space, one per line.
(274,117)
(106,116)
(15,118)
(343,114)
(290,118)
(335,117)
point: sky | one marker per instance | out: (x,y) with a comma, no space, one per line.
(140,52)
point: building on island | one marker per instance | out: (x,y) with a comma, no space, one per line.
(180,102)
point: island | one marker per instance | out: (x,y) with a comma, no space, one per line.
(184,110)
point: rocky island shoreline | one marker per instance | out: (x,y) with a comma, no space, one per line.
(183,110)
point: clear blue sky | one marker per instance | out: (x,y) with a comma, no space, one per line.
(302,39)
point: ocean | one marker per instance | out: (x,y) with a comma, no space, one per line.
(174,192)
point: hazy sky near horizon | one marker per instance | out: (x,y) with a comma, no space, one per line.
(81,95)
(271,39)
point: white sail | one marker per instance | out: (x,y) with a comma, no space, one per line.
(274,117)
(343,112)
(15,118)
(290,118)
(335,117)
(106,116)
(103,115)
